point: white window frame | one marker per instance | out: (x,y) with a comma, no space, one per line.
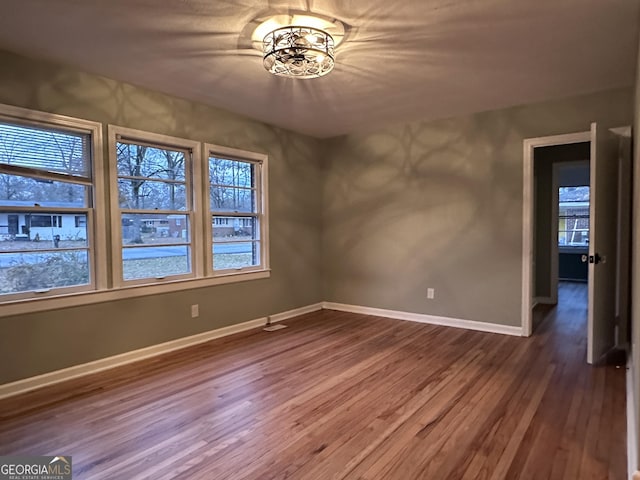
(568,247)
(193,168)
(262,206)
(105,286)
(96,216)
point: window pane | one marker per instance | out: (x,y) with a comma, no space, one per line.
(36,231)
(150,162)
(45,149)
(573,238)
(232,229)
(234,195)
(235,255)
(144,229)
(155,262)
(17,191)
(232,199)
(23,272)
(146,194)
(231,172)
(574,194)
(573,216)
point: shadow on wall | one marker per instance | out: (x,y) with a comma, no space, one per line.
(294,175)
(431,204)
(60,338)
(439,204)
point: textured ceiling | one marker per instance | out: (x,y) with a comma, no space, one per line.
(401,61)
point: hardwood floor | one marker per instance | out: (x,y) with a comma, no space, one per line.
(342,396)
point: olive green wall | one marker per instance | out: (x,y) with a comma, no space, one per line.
(366,219)
(35,343)
(439,204)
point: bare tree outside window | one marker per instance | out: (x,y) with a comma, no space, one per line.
(154,210)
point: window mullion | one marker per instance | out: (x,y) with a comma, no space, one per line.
(38,174)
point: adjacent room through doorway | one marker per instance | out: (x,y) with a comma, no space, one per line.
(561,233)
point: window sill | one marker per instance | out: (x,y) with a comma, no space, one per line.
(574,250)
(31,305)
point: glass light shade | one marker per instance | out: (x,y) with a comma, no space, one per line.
(298,52)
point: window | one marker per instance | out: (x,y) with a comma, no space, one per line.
(152,182)
(46,178)
(573,216)
(45,221)
(237,205)
(168,231)
(80,221)
(40,221)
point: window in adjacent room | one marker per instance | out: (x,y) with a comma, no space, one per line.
(573,216)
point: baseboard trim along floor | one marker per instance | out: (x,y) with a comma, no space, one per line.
(632,441)
(430,319)
(58,376)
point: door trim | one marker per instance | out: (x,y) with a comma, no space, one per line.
(527,215)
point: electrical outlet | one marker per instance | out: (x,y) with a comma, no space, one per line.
(195,311)
(431,293)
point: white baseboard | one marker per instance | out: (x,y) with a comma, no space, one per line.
(46,379)
(280,317)
(423,318)
(632,439)
(76,371)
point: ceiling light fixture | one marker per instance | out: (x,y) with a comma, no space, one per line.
(298,52)
(297,44)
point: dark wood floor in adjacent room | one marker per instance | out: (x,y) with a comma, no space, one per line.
(343,396)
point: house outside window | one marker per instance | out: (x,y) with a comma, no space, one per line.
(152,181)
(238,208)
(573,216)
(184,214)
(46,181)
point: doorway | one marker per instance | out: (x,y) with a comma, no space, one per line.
(604,272)
(561,238)
(561,217)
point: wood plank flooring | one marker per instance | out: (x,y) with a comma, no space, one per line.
(343,396)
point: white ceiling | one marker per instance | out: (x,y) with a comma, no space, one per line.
(401,61)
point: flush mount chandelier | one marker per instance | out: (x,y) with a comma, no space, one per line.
(299,52)
(298,44)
